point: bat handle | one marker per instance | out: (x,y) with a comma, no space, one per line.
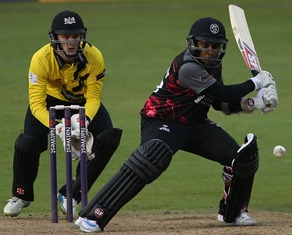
(254,72)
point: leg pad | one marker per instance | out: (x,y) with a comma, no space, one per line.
(245,166)
(144,165)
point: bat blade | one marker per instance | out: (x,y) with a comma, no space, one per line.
(243,38)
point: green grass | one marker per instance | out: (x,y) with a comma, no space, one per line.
(138,40)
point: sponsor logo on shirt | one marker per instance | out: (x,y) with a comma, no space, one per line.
(204,100)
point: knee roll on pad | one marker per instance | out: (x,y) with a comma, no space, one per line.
(150,160)
(26,143)
(108,138)
(247,161)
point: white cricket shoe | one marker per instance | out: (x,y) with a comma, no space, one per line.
(63,204)
(241,220)
(87,226)
(14,206)
(244,220)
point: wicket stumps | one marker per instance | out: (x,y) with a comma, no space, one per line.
(68,150)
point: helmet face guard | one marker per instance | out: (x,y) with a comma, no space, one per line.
(57,44)
(207,30)
(67,23)
(195,50)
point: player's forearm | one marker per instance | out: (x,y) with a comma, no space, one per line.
(228,108)
(92,97)
(40,112)
(91,108)
(37,102)
(230,93)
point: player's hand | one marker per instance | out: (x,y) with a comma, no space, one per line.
(256,103)
(270,98)
(89,142)
(75,126)
(263,79)
(265,101)
(60,131)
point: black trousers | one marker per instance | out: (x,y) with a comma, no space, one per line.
(23,180)
(205,138)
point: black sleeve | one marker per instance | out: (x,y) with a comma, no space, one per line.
(233,107)
(229,93)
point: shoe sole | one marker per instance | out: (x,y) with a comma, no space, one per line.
(81,228)
(245,224)
(221,220)
(10,214)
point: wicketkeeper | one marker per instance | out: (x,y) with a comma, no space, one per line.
(67,71)
(175,118)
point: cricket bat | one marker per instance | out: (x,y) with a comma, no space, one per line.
(243,38)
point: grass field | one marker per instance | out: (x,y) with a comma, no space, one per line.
(138,40)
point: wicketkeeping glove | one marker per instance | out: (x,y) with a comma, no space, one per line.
(75,126)
(60,131)
(263,79)
(75,141)
(89,142)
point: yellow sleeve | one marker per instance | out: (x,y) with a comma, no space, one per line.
(92,96)
(37,90)
(94,85)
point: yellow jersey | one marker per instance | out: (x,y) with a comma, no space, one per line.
(81,81)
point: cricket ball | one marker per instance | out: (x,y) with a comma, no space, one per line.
(279,151)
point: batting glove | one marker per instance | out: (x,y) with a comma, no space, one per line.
(270,98)
(265,101)
(263,79)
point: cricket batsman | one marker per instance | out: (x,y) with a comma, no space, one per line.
(175,117)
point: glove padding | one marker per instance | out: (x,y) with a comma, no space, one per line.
(75,126)
(75,141)
(270,98)
(89,142)
(263,79)
(266,101)
(60,131)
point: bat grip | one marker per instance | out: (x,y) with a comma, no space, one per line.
(254,72)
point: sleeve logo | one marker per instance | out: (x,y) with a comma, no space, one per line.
(33,78)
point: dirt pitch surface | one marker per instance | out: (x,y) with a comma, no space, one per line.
(268,223)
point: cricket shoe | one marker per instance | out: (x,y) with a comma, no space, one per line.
(241,220)
(14,206)
(87,226)
(63,204)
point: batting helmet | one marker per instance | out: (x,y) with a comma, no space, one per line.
(207,30)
